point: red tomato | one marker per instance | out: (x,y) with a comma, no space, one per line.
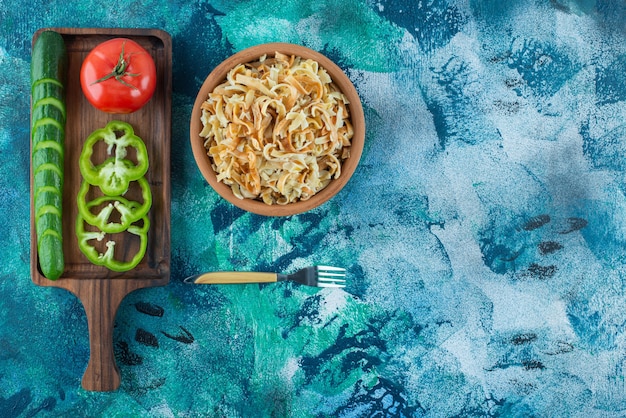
(118,76)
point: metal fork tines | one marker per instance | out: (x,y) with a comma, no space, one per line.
(319,276)
(328,276)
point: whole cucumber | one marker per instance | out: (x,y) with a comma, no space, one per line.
(48,78)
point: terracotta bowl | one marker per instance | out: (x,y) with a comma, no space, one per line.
(218,75)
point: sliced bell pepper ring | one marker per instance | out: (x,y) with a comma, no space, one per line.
(107,259)
(114,174)
(129,211)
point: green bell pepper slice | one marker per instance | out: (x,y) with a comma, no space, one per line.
(107,259)
(129,211)
(115,173)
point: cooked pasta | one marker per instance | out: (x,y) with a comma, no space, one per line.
(277,130)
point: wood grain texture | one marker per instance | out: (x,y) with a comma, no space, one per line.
(236,277)
(99,289)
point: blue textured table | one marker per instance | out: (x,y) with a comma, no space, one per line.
(484,231)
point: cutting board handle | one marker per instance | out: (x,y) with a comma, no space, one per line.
(100,303)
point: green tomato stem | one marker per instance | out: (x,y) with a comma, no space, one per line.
(119,70)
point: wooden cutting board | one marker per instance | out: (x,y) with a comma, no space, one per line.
(99,289)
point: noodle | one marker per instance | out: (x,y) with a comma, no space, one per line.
(277,130)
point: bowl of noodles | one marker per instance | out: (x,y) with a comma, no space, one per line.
(277,129)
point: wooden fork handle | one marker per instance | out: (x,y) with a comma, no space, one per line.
(235,277)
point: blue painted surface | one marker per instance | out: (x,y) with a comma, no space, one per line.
(483,230)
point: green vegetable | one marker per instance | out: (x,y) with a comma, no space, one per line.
(48,77)
(114,174)
(108,258)
(129,211)
(112,178)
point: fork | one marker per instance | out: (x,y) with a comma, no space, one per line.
(318,276)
